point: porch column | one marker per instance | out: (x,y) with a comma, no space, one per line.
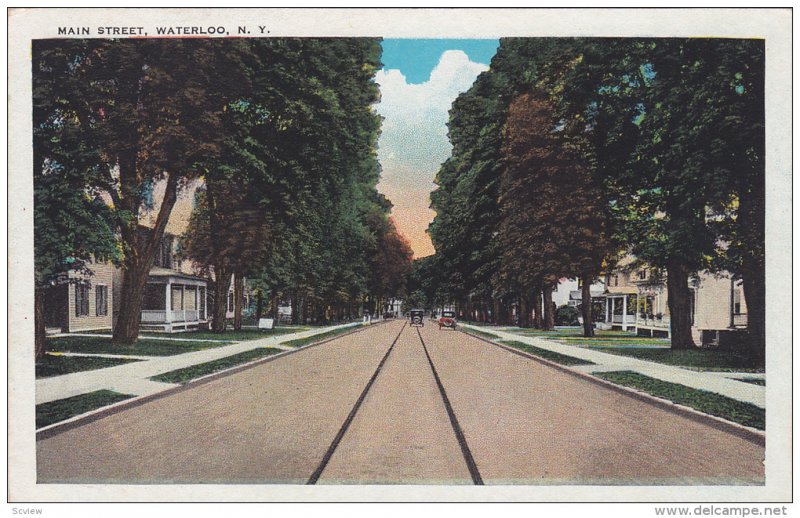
(197,301)
(624,312)
(168,312)
(608,309)
(183,301)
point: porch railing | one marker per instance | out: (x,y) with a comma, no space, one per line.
(617,319)
(740,320)
(159,316)
(154,316)
(654,322)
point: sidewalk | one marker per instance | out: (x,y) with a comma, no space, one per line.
(133,378)
(716,382)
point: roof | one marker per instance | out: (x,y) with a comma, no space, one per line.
(158,271)
(578,295)
(622,290)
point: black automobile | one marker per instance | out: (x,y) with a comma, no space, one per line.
(417,317)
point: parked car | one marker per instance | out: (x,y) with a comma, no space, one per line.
(417,317)
(447,320)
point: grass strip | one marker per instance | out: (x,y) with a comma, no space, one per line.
(754,381)
(701,400)
(56,365)
(196,371)
(700,359)
(62,409)
(562,359)
(142,347)
(230,335)
(483,334)
(299,342)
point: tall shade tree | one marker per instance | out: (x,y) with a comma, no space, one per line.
(152,109)
(72,227)
(678,125)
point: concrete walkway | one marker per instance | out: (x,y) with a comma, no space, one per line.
(133,378)
(711,381)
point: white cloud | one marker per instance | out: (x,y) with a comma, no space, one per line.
(413,141)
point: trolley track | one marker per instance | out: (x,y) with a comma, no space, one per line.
(336,440)
(354,452)
(462,441)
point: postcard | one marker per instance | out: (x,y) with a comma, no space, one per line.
(302,255)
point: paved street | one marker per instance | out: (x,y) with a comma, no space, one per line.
(346,412)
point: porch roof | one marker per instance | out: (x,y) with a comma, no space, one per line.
(622,290)
(162,274)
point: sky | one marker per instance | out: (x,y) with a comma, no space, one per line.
(419,81)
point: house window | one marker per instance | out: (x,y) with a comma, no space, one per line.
(616,280)
(230,302)
(164,254)
(642,275)
(101,301)
(737,302)
(81,300)
(202,297)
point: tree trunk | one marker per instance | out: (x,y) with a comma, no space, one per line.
(238,300)
(221,286)
(273,306)
(40,338)
(524,316)
(259,305)
(586,305)
(755,298)
(750,227)
(295,308)
(538,321)
(134,281)
(678,299)
(549,318)
(139,256)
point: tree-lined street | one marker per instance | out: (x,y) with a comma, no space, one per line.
(285,420)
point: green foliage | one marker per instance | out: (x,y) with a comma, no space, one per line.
(566,316)
(704,401)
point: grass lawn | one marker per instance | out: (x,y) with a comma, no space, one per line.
(299,342)
(700,359)
(52,365)
(230,334)
(563,359)
(142,347)
(196,371)
(706,402)
(61,409)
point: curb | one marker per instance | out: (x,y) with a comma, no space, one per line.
(97,414)
(744,432)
